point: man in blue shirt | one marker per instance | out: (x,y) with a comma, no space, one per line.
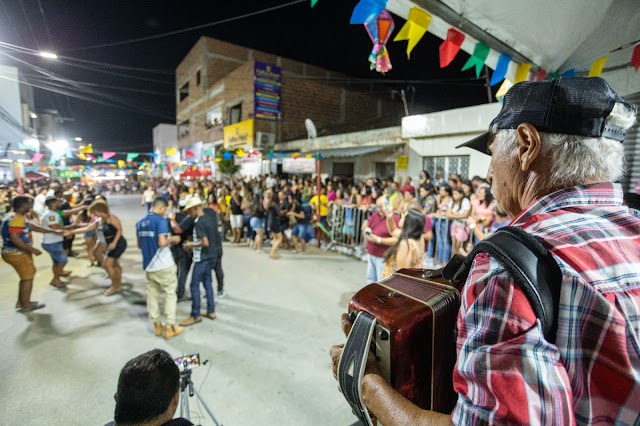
(154,240)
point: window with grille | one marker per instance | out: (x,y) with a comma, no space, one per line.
(455,164)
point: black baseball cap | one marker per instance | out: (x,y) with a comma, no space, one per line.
(567,105)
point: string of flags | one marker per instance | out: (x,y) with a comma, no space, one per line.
(379,24)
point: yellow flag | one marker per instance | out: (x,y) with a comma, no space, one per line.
(309,156)
(81,156)
(504,88)
(241,153)
(171,151)
(414,29)
(81,167)
(121,163)
(147,164)
(86,149)
(522,72)
(597,67)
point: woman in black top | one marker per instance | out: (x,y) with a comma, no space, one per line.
(258,222)
(276,227)
(116,244)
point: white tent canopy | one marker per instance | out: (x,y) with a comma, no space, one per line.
(556,35)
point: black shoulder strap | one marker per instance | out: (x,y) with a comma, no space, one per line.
(531,265)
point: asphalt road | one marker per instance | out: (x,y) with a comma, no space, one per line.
(267,351)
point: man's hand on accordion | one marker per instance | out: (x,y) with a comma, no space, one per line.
(384,402)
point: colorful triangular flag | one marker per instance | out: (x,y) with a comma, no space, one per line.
(108,154)
(522,72)
(635,58)
(367,10)
(501,69)
(597,67)
(414,29)
(480,53)
(450,47)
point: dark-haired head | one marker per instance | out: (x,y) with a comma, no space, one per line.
(412,224)
(22,204)
(159,202)
(147,389)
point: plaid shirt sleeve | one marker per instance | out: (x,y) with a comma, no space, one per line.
(506,373)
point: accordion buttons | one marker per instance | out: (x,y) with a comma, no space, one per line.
(383,335)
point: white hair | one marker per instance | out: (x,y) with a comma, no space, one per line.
(576,160)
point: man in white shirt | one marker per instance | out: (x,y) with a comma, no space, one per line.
(52,243)
(38,203)
(154,240)
(147,197)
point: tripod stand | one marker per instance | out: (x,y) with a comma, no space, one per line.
(186,391)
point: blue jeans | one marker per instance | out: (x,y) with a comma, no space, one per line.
(375,267)
(201,273)
(443,240)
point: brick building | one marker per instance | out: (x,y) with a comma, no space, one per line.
(217,95)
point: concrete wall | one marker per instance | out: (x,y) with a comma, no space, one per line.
(437,134)
(165,136)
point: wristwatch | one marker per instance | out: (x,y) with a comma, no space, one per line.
(379,240)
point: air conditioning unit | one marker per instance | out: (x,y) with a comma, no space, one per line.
(265,140)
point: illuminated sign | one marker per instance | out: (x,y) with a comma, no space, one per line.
(239,135)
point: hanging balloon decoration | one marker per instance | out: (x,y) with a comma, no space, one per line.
(380,30)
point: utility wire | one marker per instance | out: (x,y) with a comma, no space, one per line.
(44,20)
(186,30)
(105,86)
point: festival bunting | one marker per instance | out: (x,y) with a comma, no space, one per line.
(122,164)
(541,75)
(108,154)
(522,72)
(597,67)
(635,58)
(37,157)
(367,10)
(90,157)
(501,69)
(504,88)
(569,73)
(240,153)
(313,3)
(414,29)
(208,153)
(81,156)
(480,53)
(171,151)
(450,47)
(227,155)
(187,153)
(86,149)
(131,156)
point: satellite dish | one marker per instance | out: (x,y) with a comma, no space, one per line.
(311,128)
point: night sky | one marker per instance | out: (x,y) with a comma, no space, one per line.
(321,36)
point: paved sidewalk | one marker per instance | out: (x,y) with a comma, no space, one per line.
(268,351)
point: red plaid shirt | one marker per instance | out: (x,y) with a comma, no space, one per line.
(507,373)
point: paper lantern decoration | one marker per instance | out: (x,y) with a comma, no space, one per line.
(414,29)
(367,11)
(635,58)
(379,31)
(480,53)
(598,67)
(450,47)
(501,69)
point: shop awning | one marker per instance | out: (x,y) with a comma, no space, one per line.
(350,152)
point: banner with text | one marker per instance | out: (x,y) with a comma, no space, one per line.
(267,91)
(239,135)
(299,165)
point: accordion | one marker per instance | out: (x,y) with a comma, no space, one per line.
(408,319)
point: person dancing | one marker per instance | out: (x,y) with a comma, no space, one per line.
(116,244)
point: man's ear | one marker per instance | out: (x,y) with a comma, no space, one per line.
(529,145)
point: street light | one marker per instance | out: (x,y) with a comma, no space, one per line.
(48,55)
(78,139)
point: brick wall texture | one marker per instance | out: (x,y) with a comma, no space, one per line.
(226,79)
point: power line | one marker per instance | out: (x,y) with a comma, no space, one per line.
(29,23)
(105,86)
(185,30)
(119,74)
(44,20)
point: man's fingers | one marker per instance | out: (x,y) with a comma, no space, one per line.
(335,352)
(346,324)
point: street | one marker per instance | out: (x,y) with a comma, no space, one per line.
(267,352)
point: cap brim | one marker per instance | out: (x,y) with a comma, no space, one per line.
(479,143)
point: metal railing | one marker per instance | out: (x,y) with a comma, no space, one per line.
(345,223)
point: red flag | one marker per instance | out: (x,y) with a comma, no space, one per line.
(188,153)
(541,75)
(635,58)
(450,47)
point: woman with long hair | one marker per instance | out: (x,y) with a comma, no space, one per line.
(408,251)
(116,244)
(427,198)
(258,222)
(482,207)
(276,227)
(458,212)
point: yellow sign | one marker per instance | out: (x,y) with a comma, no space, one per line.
(402,162)
(239,135)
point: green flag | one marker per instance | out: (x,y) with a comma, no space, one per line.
(131,156)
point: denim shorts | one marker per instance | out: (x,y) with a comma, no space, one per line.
(57,252)
(303,231)
(258,223)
